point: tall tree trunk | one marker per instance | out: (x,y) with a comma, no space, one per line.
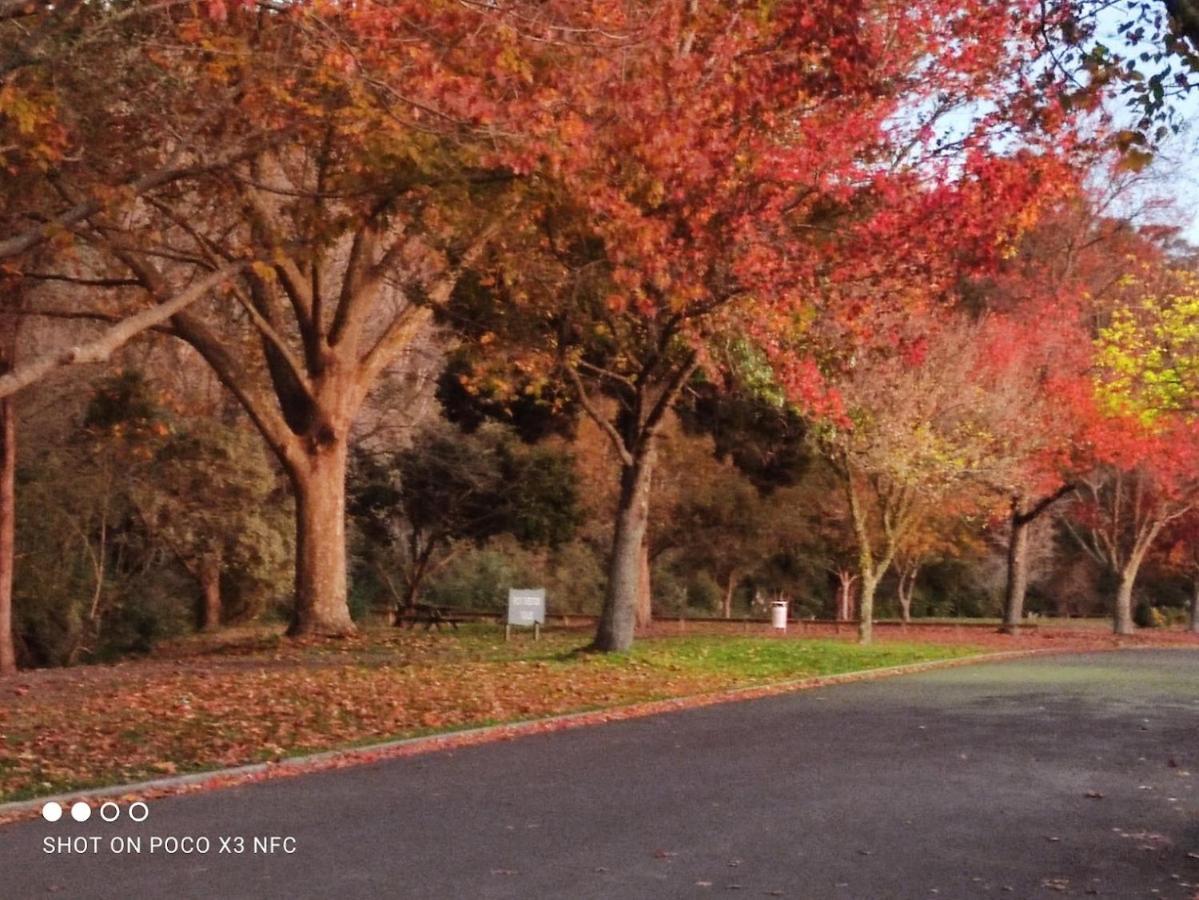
(1195,604)
(1017,554)
(1017,571)
(319,480)
(9,326)
(619,615)
(1122,614)
(907,586)
(645,606)
(730,587)
(209,576)
(866,608)
(8,466)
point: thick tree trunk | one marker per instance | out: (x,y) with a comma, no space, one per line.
(319,481)
(1122,614)
(866,609)
(1195,604)
(1017,572)
(210,587)
(645,605)
(8,465)
(619,615)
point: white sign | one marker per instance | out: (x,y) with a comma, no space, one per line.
(526,606)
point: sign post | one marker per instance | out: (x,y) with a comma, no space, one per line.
(526,606)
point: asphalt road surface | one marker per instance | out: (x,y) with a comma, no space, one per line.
(1054,776)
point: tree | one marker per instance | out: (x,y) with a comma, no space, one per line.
(210,497)
(1041,304)
(417,506)
(763,125)
(1149,350)
(919,426)
(1144,482)
(1146,447)
(345,205)
(1144,51)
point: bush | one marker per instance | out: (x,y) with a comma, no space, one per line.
(479,577)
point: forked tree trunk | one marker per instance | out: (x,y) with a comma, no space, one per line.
(1122,614)
(319,480)
(1017,555)
(845,581)
(619,616)
(209,576)
(1017,572)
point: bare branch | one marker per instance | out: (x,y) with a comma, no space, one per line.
(113,338)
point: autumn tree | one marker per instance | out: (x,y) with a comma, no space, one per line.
(1042,303)
(918,425)
(767,124)
(1148,352)
(332,170)
(1142,482)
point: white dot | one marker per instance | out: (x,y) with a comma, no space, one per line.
(51,812)
(109,811)
(138,815)
(80,811)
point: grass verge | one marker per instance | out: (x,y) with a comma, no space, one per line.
(203,705)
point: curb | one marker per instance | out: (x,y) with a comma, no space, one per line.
(329,760)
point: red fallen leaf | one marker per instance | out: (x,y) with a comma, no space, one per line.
(664,854)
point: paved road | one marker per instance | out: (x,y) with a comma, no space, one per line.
(973,782)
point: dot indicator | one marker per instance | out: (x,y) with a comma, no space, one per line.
(138,811)
(80,811)
(109,811)
(52,812)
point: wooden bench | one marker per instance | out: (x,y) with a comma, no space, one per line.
(430,615)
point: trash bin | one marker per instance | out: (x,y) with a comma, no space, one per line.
(778,614)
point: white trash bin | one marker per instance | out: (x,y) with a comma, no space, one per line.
(778,614)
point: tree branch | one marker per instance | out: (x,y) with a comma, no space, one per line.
(100,349)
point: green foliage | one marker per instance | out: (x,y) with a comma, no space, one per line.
(112,522)
(478,578)
(1148,355)
(413,506)
(682,589)
(744,410)
(213,489)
